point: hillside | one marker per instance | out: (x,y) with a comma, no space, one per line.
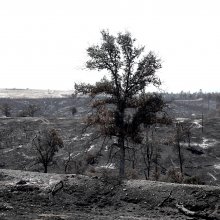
(31,195)
(33,93)
(98,194)
(202,158)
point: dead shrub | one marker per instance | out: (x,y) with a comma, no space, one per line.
(132,174)
(156,175)
(81,167)
(195,180)
(91,171)
(90,159)
(173,176)
(110,177)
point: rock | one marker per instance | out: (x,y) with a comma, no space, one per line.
(21,182)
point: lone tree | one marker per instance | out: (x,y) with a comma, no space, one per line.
(47,143)
(122,106)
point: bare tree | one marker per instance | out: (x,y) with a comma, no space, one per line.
(183,134)
(67,162)
(150,152)
(147,151)
(156,160)
(202,122)
(130,74)
(180,136)
(132,156)
(46,144)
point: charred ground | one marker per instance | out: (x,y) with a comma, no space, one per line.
(90,196)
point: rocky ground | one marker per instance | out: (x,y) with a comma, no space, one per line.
(32,195)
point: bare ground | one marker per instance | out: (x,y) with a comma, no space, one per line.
(32,195)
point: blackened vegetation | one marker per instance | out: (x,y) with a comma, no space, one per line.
(6,109)
(38,107)
(47,144)
(29,111)
(123,107)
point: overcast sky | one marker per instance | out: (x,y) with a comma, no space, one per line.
(43,43)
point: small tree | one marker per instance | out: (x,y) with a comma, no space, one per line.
(150,152)
(156,160)
(147,152)
(29,111)
(183,134)
(125,105)
(73,110)
(179,137)
(47,143)
(6,109)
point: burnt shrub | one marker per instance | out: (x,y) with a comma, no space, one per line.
(173,176)
(110,177)
(193,180)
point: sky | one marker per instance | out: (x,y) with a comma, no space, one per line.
(43,43)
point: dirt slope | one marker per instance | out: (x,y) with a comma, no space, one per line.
(32,195)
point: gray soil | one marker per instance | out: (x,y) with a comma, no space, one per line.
(32,195)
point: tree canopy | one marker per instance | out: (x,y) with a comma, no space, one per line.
(121,103)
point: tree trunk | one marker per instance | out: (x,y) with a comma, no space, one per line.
(67,162)
(180,157)
(148,171)
(202,122)
(189,141)
(156,165)
(122,157)
(45,168)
